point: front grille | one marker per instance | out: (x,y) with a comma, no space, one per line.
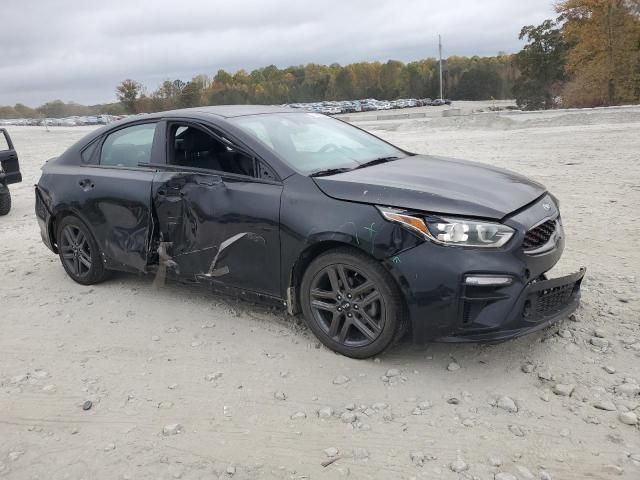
(540,235)
(551,300)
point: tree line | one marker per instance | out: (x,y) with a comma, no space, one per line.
(468,78)
(465,78)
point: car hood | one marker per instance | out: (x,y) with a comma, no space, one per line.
(437,185)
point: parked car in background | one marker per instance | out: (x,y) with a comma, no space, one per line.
(368,105)
(366,240)
(67,122)
(9,170)
(326,108)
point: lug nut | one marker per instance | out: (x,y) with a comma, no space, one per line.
(348,295)
(349,315)
(355,307)
(339,309)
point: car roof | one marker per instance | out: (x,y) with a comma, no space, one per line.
(227,111)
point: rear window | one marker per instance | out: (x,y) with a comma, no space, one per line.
(129,146)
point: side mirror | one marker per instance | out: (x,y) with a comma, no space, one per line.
(179,144)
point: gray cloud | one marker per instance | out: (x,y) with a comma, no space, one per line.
(78,50)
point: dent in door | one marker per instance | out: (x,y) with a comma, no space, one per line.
(129,227)
(187,207)
(214,269)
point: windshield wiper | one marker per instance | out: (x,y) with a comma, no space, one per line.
(330,171)
(377,161)
(334,171)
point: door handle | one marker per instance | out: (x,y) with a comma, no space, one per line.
(86,184)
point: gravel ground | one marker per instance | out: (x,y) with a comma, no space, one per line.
(123,380)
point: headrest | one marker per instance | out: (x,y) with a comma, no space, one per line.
(198,141)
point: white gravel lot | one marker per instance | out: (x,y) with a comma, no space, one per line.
(188,384)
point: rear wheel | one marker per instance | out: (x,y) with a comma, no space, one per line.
(5,200)
(351,303)
(79,252)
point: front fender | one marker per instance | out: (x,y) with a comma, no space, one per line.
(311,222)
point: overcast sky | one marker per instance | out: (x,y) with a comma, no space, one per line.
(79,50)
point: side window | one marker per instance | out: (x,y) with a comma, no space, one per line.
(87,153)
(265,172)
(191,146)
(128,147)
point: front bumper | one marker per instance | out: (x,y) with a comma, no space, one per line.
(444,306)
(541,304)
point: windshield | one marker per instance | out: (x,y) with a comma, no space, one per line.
(312,143)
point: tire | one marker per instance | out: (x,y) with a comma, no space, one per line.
(5,201)
(360,320)
(79,252)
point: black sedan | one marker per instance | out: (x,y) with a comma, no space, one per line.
(366,240)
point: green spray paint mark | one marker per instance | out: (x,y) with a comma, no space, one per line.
(372,235)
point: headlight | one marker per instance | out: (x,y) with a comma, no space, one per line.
(452,231)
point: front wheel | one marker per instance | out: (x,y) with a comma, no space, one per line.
(351,303)
(79,252)
(5,200)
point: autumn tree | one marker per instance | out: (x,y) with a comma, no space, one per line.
(541,63)
(393,79)
(603,60)
(127,93)
(167,95)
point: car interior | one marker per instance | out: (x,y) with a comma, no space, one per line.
(193,147)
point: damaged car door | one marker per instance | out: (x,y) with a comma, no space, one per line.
(9,170)
(113,189)
(9,167)
(217,212)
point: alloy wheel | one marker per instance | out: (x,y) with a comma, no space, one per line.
(75,250)
(347,305)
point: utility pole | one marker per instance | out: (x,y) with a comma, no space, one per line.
(440,49)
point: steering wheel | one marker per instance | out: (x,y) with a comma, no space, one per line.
(328,148)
